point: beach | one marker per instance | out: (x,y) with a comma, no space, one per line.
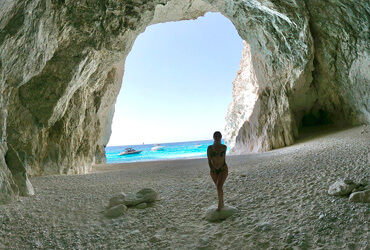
(281,196)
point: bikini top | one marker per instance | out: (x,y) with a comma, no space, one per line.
(221,154)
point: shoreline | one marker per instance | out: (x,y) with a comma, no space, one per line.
(306,134)
(153,160)
(171,151)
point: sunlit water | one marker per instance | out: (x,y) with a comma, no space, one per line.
(177,150)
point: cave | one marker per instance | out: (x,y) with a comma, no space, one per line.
(62,62)
(315,119)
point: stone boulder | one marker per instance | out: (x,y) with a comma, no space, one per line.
(116,211)
(363,196)
(213,215)
(116,200)
(146,195)
(342,187)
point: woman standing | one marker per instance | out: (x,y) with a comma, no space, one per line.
(216,154)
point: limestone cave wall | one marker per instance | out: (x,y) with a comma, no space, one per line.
(337,90)
(62,62)
(342,59)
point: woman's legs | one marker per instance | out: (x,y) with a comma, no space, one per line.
(214,176)
(220,183)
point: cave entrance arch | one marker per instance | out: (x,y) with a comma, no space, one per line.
(274,49)
(177,82)
(66,90)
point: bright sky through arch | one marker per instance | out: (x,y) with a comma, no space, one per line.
(178,82)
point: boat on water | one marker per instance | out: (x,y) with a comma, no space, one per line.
(130,151)
(198,145)
(158,147)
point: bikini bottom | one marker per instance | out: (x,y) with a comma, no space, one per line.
(218,170)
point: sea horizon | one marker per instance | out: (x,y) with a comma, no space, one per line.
(156,143)
(169,151)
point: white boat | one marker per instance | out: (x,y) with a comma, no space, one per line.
(157,147)
(130,151)
(198,145)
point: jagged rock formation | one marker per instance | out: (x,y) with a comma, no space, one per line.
(245,95)
(61,65)
(338,91)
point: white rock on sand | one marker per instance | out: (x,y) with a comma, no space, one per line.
(116,211)
(342,187)
(145,195)
(213,215)
(363,196)
(281,196)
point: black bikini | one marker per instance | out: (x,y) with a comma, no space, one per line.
(221,154)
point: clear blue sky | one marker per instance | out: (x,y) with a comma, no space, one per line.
(178,82)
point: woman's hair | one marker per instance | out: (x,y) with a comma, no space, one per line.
(217,133)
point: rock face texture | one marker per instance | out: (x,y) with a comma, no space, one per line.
(324,79)
(62,62)
(245,95)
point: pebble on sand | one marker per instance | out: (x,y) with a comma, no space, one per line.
(116,211)
(341,187)
(213,215)
(155,238)
(146,195)
(363,196)
(142,205)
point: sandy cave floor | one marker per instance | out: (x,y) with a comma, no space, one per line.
(281,194)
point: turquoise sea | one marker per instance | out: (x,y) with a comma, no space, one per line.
(176,150)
